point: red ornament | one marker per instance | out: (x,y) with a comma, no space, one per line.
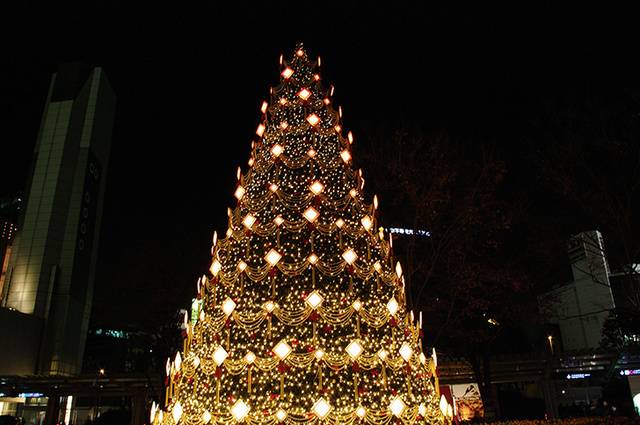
(394,391)
(327,329)
(314,316)
(355,367)
(374,372)
(247,232)
(218,372)
(273,271)
(311,349)
(393,322)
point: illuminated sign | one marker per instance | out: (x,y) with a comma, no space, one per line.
(30,395)
(401,231)
(630,372)
(578,375)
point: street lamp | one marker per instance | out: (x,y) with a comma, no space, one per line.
(550,338)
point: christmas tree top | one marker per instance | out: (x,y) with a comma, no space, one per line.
(303,315)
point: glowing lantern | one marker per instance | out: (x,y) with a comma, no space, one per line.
(443,405)
(393,306)
(311,153)
(422,409)
(314,299)
(398,270)
(353,193)
(367,223)
(304,94)
(250,357)
(239,193)
(377,266)
(220,355)
(316,187)
(176,412)
(354,349)
(196,361)
(282,350)
(206,417)
(177,362)
(337,128)
(287,73)
(311,214)
(349,256)
(276,150)
(434,356)
(319,354)
(278,220)
(313,119)
(284,125)
(273,257)
(242,266)
(406,352)
(260,130)
(300,52)
(357,305)
(248,221)
(215,267)
(269,306)
(321,408)
(281,415)
(240,410)
(350,137)
(228,305)
(313,258)
(339,223)
(422,358)
(345,155)
(283,101)
(264,106)
(397,406)
(375,202)
(273,187)
(382,354)
(361,412)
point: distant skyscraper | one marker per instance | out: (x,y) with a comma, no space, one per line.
(580,307)
(49,283)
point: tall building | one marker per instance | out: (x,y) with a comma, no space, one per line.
(48,287)
(10,208)
(580,307)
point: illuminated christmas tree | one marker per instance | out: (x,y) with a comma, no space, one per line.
(302,317)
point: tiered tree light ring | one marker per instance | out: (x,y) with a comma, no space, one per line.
(303,318)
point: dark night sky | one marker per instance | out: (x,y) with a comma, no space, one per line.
(189,83)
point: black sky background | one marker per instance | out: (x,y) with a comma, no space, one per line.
(190,80)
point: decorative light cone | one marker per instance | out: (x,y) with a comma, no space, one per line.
(285,297)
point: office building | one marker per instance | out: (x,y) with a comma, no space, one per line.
(48,286)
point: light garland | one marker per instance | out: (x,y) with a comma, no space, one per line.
(302,319)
